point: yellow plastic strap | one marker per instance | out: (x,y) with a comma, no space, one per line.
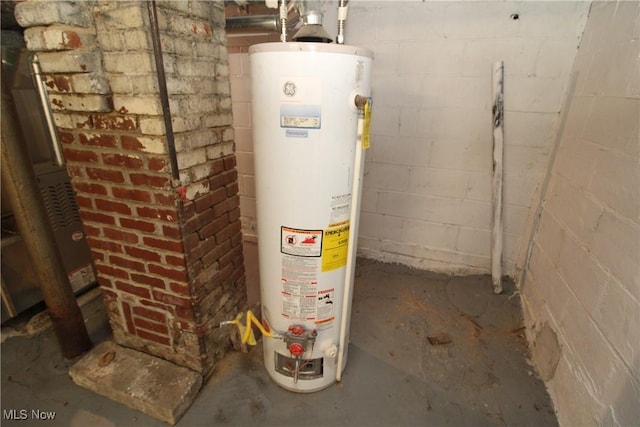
(366,133)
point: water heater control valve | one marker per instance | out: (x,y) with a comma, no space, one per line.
(298,339)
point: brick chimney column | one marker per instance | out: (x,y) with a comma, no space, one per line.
(168,252)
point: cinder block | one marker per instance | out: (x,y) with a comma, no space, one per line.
(615,183)
(408,122)
(386,54)
(245,162)
(581,273)
(592,355)
(538,22)
(519,190)
(514,218)
(479,54)
(529,128)
(438,182)
(491,21)
(573,209)
(479,186)
(616,245)
(575,162)
(387,121)
(241,114)
(573,402)
(474,241)
(457,93)
(556,57)
(424,57)
(466,154)
(435,209)
(387,177)
(536,94)
(613,123)
(241,89)
(550,286)
(618,313)
(243,139)
(248,186)
(369,201)
(550,235)
(426,21)
(386,227)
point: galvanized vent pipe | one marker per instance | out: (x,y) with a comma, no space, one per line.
(242,24)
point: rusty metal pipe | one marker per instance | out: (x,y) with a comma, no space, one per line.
(25,200)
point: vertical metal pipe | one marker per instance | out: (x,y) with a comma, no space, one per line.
(342,17)
(44,101)
(284,13)
(498,143)
(21,189)
(162,87)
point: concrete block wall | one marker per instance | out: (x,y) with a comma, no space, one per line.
(427,187)
(168,252)
(583,281)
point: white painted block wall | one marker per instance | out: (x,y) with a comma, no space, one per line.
(428,177)
(584,275)
(427,192)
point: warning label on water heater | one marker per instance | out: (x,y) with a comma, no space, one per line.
(305,243)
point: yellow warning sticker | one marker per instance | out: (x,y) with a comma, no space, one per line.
(334,249)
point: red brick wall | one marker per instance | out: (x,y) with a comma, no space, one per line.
(168,252)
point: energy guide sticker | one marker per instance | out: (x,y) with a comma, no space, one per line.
(334,251)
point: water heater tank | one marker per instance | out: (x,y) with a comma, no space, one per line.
(305,125)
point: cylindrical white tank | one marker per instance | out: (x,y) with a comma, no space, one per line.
(304,122)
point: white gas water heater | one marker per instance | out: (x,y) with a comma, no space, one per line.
(310,113)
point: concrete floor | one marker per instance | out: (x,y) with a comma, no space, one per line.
(395,375)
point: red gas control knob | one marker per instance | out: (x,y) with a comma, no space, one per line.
(296,329)
(296,349)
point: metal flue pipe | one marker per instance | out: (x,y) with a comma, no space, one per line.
(25,200)
(253,23)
